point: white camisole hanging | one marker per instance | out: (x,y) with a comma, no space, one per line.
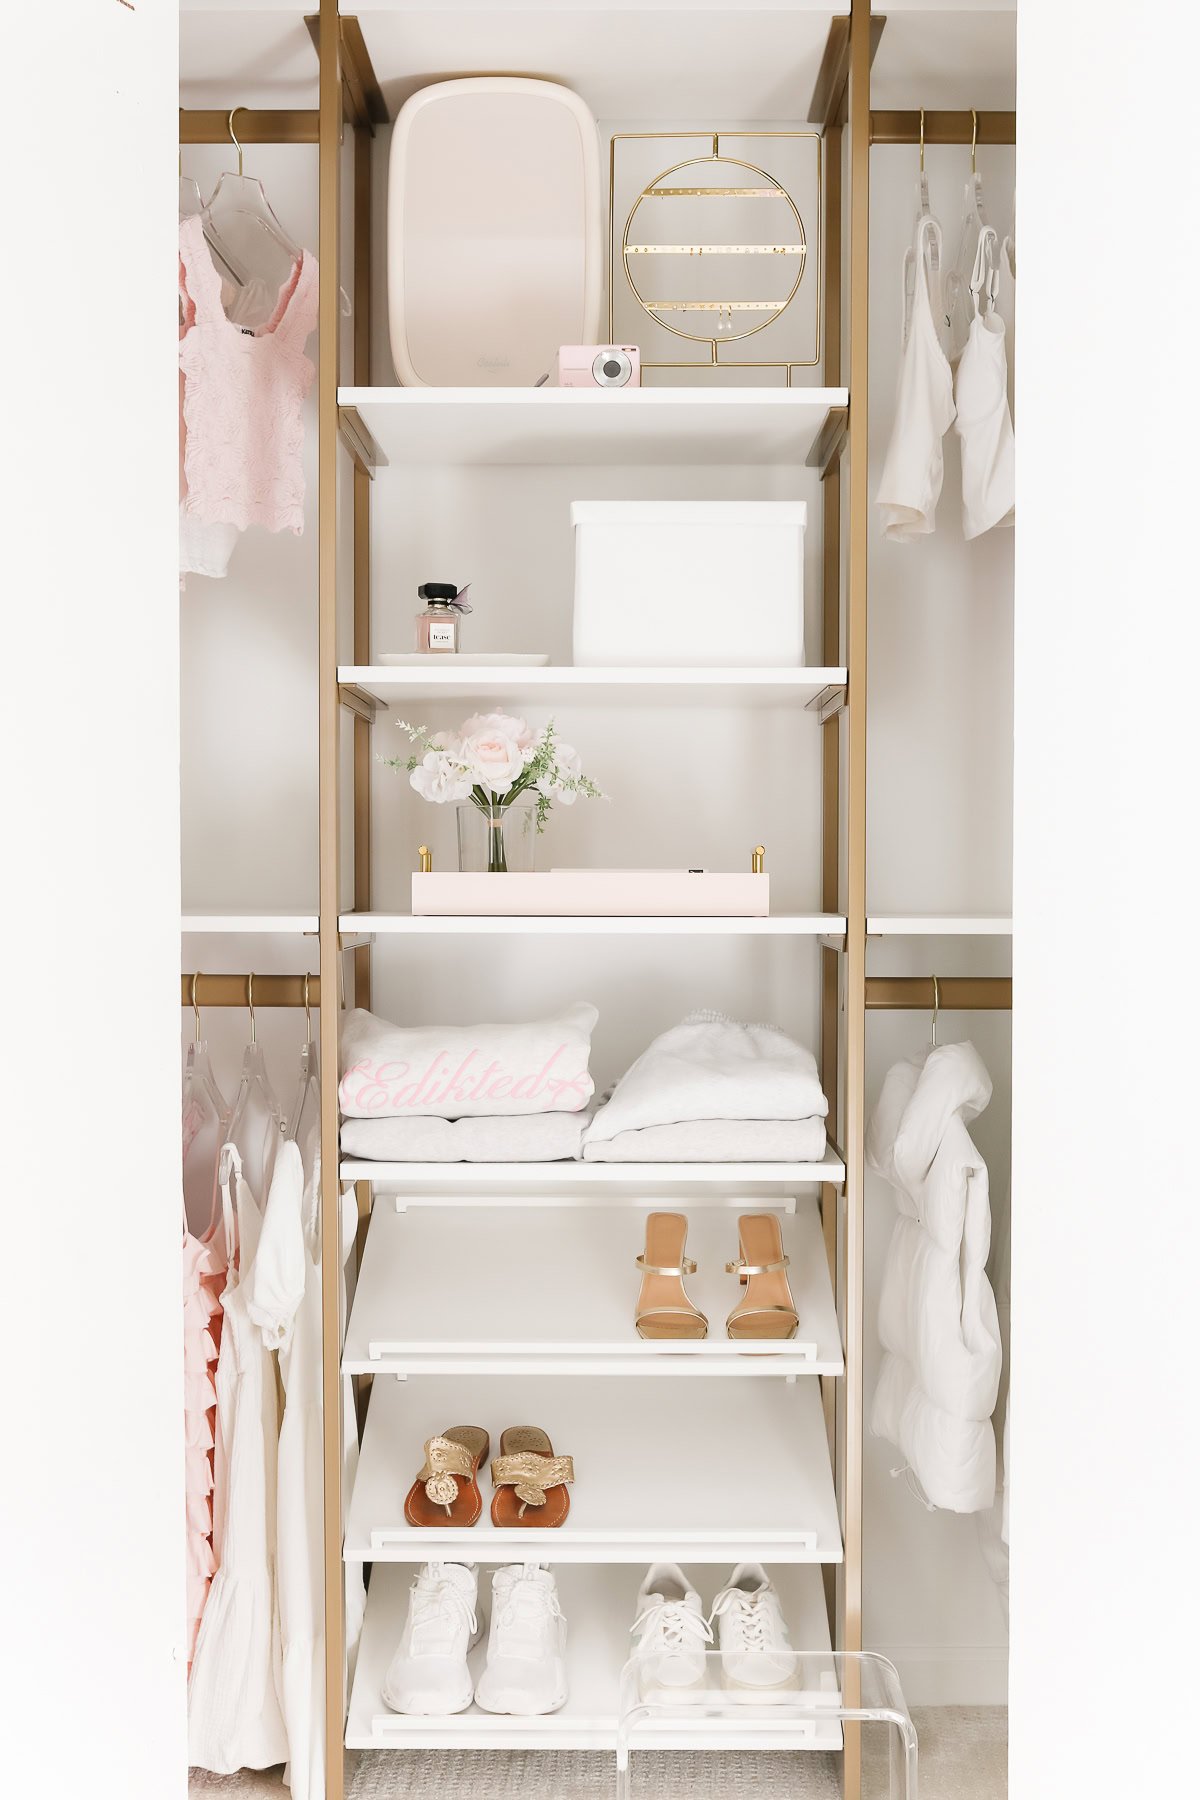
(984,422)
(912,472)
(234,1718)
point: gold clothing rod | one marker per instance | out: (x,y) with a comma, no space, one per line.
(954,993)
(234,990)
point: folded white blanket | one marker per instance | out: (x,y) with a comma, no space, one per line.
(937,1315)
(715,1140)
(710,1067)
(465,1071)
(528,1137)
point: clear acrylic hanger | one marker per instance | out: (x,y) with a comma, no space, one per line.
(205,1121)
(241,228)
(308,1089)
(959,308)
(932,252)
(256,1123)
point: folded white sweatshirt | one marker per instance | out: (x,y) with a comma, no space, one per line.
(715,1140)
(710,1067)
(521,1137)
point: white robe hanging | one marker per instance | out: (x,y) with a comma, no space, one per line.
(937,1314)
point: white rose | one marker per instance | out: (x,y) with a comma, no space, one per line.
(493,758)
(567,767)
(438,779)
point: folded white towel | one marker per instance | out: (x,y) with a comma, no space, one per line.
(716,1140)
(527,1137)
(710,1067)
(465,1071)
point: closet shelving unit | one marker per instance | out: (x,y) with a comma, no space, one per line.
(695,1420)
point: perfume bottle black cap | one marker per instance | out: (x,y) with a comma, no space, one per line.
(437,590)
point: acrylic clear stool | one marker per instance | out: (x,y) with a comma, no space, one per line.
(834,1689)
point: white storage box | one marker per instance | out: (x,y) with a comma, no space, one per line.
(694,583)
(494,246)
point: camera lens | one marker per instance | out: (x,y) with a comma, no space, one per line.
(611,368)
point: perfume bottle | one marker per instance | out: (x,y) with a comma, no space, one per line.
(438,624)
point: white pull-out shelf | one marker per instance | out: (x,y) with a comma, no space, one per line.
(570,1183)
(599,1605)
(677,1471)
(555,1291)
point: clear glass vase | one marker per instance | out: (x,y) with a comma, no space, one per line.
(496,839)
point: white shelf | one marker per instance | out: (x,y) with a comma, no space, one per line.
(585,427)
(229,922)
(939,925)
(446,678)
(679,1471)
(543,925)
(599,1606)
(565,1184)
(567,1297)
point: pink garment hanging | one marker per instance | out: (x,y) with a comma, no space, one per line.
(242,397)
(203,1276)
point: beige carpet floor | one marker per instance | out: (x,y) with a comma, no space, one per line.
(963,1756)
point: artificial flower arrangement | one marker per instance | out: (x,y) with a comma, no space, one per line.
(490,761)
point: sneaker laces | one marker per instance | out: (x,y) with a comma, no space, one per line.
(749,1615)
(672,1626)
(437,1603)
(527,1607)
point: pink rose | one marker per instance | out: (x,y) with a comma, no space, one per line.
(499,724)
(493,758)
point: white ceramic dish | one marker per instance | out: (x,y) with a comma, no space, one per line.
(492,659)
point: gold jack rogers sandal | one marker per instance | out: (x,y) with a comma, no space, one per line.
(446,1492)
(530,1481)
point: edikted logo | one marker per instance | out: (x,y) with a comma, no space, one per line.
(492,362)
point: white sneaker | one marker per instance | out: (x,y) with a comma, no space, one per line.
(757,1659)
(429,1674)
(526,1669)
(671,1635)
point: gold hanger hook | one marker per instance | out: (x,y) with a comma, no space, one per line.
(250,1004)
(922,139)
(233,135)
(974,136)
(307,1011)
(935,1009)
(196,1005)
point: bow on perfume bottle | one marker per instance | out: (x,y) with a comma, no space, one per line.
(446,594)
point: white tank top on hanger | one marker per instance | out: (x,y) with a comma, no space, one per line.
(912,472)
(984,422)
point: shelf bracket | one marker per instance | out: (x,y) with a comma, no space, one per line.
(828,701)
(359,442)
(828,442)
(362,97)
(358,701)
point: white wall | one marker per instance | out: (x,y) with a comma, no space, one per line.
(91,1504)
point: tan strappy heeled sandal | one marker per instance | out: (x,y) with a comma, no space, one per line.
(663,1309)
(766,1309)
(446,1492)
(530,1481)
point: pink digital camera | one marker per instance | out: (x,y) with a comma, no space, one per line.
(597,365)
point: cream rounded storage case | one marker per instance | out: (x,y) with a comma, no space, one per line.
(494,246)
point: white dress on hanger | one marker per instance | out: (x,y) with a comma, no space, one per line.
(285,1303)
(234,1721)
